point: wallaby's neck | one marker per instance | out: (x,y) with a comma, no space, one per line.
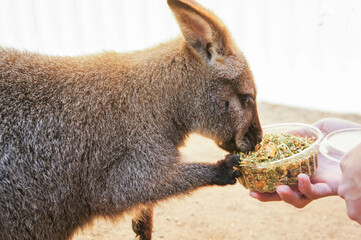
(186,78)
(175,76)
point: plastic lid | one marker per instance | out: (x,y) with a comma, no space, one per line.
(337,143)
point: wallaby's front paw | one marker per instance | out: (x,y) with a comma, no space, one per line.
(225,171)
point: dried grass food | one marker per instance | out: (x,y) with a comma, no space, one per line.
(277,160)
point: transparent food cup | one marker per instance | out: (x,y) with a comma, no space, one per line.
(266,176)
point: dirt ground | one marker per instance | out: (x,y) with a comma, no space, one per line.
(217,213)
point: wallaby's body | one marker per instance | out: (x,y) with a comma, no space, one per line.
(97,135)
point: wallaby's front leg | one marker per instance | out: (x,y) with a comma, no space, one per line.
(185,177)
(142,223)
(189,177)
(152,181)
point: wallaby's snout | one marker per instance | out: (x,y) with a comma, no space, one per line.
(251,138)
(245,139)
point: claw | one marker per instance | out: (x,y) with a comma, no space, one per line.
(237,174)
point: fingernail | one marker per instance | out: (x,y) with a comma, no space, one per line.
(253,194)
(301,180)
(279,192)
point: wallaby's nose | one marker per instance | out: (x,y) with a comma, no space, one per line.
(254,134)
(256,130)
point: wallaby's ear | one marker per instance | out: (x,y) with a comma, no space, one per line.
(202,30)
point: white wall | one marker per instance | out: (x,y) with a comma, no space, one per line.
(302,52)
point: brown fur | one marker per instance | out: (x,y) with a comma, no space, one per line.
(89,136)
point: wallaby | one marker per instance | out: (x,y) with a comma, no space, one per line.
(98,135)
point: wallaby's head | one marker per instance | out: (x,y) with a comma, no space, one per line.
(225,93)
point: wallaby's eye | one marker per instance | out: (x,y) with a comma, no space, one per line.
(244,99)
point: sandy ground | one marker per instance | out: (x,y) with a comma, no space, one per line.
(229,213)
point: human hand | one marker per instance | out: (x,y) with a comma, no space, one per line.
(324,182)
(350,185)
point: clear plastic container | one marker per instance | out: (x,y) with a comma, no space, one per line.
(336,144)
(266,176)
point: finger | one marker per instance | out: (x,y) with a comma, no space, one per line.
(265,197)
(314,191)
(296,199)
(354,210)
(342,190)
(305,186)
